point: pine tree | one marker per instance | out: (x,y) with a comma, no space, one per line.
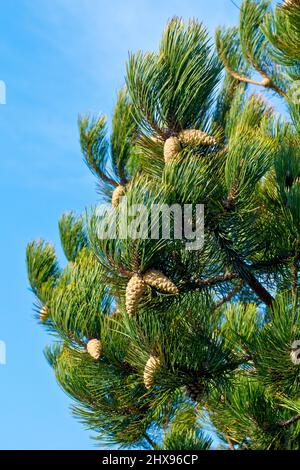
(157,344)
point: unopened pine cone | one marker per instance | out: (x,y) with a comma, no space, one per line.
(134,291)
(151,367)
(157,279)
(172,147)
(195,391)
(93,347)
(44,313)
(195,137)
(117,194)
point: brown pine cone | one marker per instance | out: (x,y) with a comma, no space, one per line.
(171,148)
(155,278)
(44,313)
(93,347)
(196,137)
(151,367)
(117,194)
(134,291)
(195,391)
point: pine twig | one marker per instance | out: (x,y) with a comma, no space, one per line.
(122,175)
(277,260)
(230,294)
(294,270)
(243,270)
(73,338)
(285,424)
(150,441)
(255,285)
(244,79)
(230,443)
(215,280)
(266,82)
(105,178)
(99,172)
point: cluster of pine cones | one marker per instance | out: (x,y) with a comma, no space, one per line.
(154,278)
(193,137)
(172,147)
(138,283)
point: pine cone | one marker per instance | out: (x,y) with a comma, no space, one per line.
(196,137)
(195,391)
(171,148)
(117,194)
(290,3)
(94,348)
(155,278)
(134,291)
(44,313)
(151,367)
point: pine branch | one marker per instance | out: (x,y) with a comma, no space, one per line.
(294,419)
(202,283)
(230,294)
(255,285)
(273,262)
(243,270)
(123,179)
(217,280)
(152,443)
(240,49)
(294,272)
(94,146)
(266,82)
(230,443)
(73,338)
(101,173)
(241,78)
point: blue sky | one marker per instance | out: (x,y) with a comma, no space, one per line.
(58,58)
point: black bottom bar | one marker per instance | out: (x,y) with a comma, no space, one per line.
(137,459)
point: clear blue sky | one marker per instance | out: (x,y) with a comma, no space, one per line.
(58,58)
